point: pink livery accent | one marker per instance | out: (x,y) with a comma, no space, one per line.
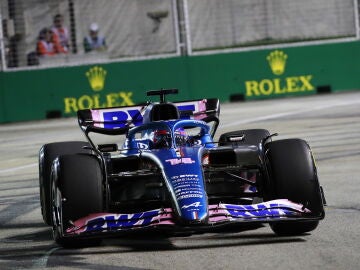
(105,222)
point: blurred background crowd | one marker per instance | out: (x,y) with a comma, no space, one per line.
(61,32)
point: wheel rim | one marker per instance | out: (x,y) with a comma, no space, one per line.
(56,210)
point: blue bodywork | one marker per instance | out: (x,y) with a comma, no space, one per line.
(171,146)
(181,165)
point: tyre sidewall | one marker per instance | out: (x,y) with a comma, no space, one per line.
(47,155)
(293,176)
(79,179)
(293,173)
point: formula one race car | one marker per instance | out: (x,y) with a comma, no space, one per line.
(170,175)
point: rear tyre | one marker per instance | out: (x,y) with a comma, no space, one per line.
(77,192)
(241,137)
(47,154)
(294,177)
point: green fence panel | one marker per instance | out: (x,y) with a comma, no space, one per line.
(2,98)
(261,74)
(277,72)
(39,94)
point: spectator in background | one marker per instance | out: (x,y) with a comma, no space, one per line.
(45,44)
(94,42)
(10,45)
(60,34)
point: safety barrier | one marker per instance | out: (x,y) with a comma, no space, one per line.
(270,73)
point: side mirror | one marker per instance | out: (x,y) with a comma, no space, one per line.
(108,147)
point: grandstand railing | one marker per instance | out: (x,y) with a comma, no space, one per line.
(152,29)
(222,29)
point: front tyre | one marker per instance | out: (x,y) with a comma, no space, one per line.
(77,192)
(293,176)
(47,154)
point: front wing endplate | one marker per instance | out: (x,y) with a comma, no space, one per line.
(274,210)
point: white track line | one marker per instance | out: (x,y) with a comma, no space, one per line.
(41,263)
(18,168)
(236,123)
(281,115)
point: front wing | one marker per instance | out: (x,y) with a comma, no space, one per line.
(221,214)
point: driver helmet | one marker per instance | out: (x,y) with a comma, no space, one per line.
(181,138)
(162,138)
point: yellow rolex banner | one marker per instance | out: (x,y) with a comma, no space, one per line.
(96,77)
(261,74)
(276,85)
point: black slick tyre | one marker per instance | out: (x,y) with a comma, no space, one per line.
(293,176)
(77,192)
(47,154)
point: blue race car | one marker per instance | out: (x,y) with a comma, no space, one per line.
(170,175)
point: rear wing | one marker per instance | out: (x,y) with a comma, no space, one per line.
(118,120)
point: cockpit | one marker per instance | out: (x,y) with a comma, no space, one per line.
(169,134)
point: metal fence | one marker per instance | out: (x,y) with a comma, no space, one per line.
(243,24)
(132,29)
(31,35)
